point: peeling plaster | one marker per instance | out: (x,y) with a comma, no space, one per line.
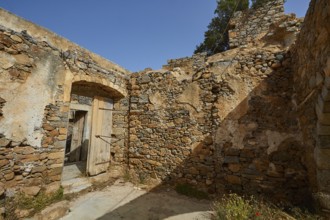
(25,105)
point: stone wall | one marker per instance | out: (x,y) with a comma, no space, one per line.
(189,64)
(253,119)
(224,123)
(40,73)
(228,125)
(311,84)
(249,26)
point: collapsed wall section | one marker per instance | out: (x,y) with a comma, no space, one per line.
(248,26)
(229,126)
(227,122)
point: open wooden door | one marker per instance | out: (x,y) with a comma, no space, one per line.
(99,152)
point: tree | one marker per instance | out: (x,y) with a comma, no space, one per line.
(216,37)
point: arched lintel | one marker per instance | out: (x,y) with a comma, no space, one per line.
(102,82)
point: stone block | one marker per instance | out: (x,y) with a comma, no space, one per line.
(53,133)
(6,61)
(232,152)
(322,158)
(4,142)
(54,118)
(152,162)
(233,179)
(231,159)
(324,142)
(23,59)
(30,158)
(24,150)
(323,199)
(39,169)
(2,189)
(118,130)
(327,82)
(16,38)
(63,131)
(323,180)
(56,155)
(54,211)
(323,129)
(55,171)
(31,191)
(47,127)
(323,105)
(55,178)
(144,99)
(61,137)
(22,213)
(323,118)
(145,79)
(193,171)
(52,187)
(3,163)
(235,167)
(60,144)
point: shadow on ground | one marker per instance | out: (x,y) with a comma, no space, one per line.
(124,201)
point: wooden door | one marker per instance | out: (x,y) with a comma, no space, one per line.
(99,153)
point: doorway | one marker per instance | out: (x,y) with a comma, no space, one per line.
(77,143)
(88,145)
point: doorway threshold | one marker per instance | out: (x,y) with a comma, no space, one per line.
(74,170)
(76,185)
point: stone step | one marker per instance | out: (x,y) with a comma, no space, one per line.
(75,185)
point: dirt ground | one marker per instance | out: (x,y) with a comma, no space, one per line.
(122,200)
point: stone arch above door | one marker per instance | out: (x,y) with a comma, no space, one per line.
(116,87)
(101,81)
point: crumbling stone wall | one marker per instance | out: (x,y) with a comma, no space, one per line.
(311,83)
(187,64)
(38,69)
(230,125)
(253,119)
(226,123)
(249,26)
(167,118)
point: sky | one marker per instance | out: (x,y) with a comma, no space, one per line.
(134,34)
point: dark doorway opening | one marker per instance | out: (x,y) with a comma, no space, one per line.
(76,150)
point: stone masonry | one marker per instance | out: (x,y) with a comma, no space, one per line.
(253,119)
(311,84)
(250,25)
(39,72)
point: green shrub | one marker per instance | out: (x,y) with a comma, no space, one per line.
(40,201)
(235,207)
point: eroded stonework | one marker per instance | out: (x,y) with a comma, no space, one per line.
(253,119)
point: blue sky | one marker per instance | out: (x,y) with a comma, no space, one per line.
(134,34)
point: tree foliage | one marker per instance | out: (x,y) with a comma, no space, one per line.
(216,37)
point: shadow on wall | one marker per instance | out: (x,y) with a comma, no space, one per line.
(256,149)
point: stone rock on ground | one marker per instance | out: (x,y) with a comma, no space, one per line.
(31,191)
(54,211)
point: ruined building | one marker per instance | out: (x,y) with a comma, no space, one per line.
(254,119)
